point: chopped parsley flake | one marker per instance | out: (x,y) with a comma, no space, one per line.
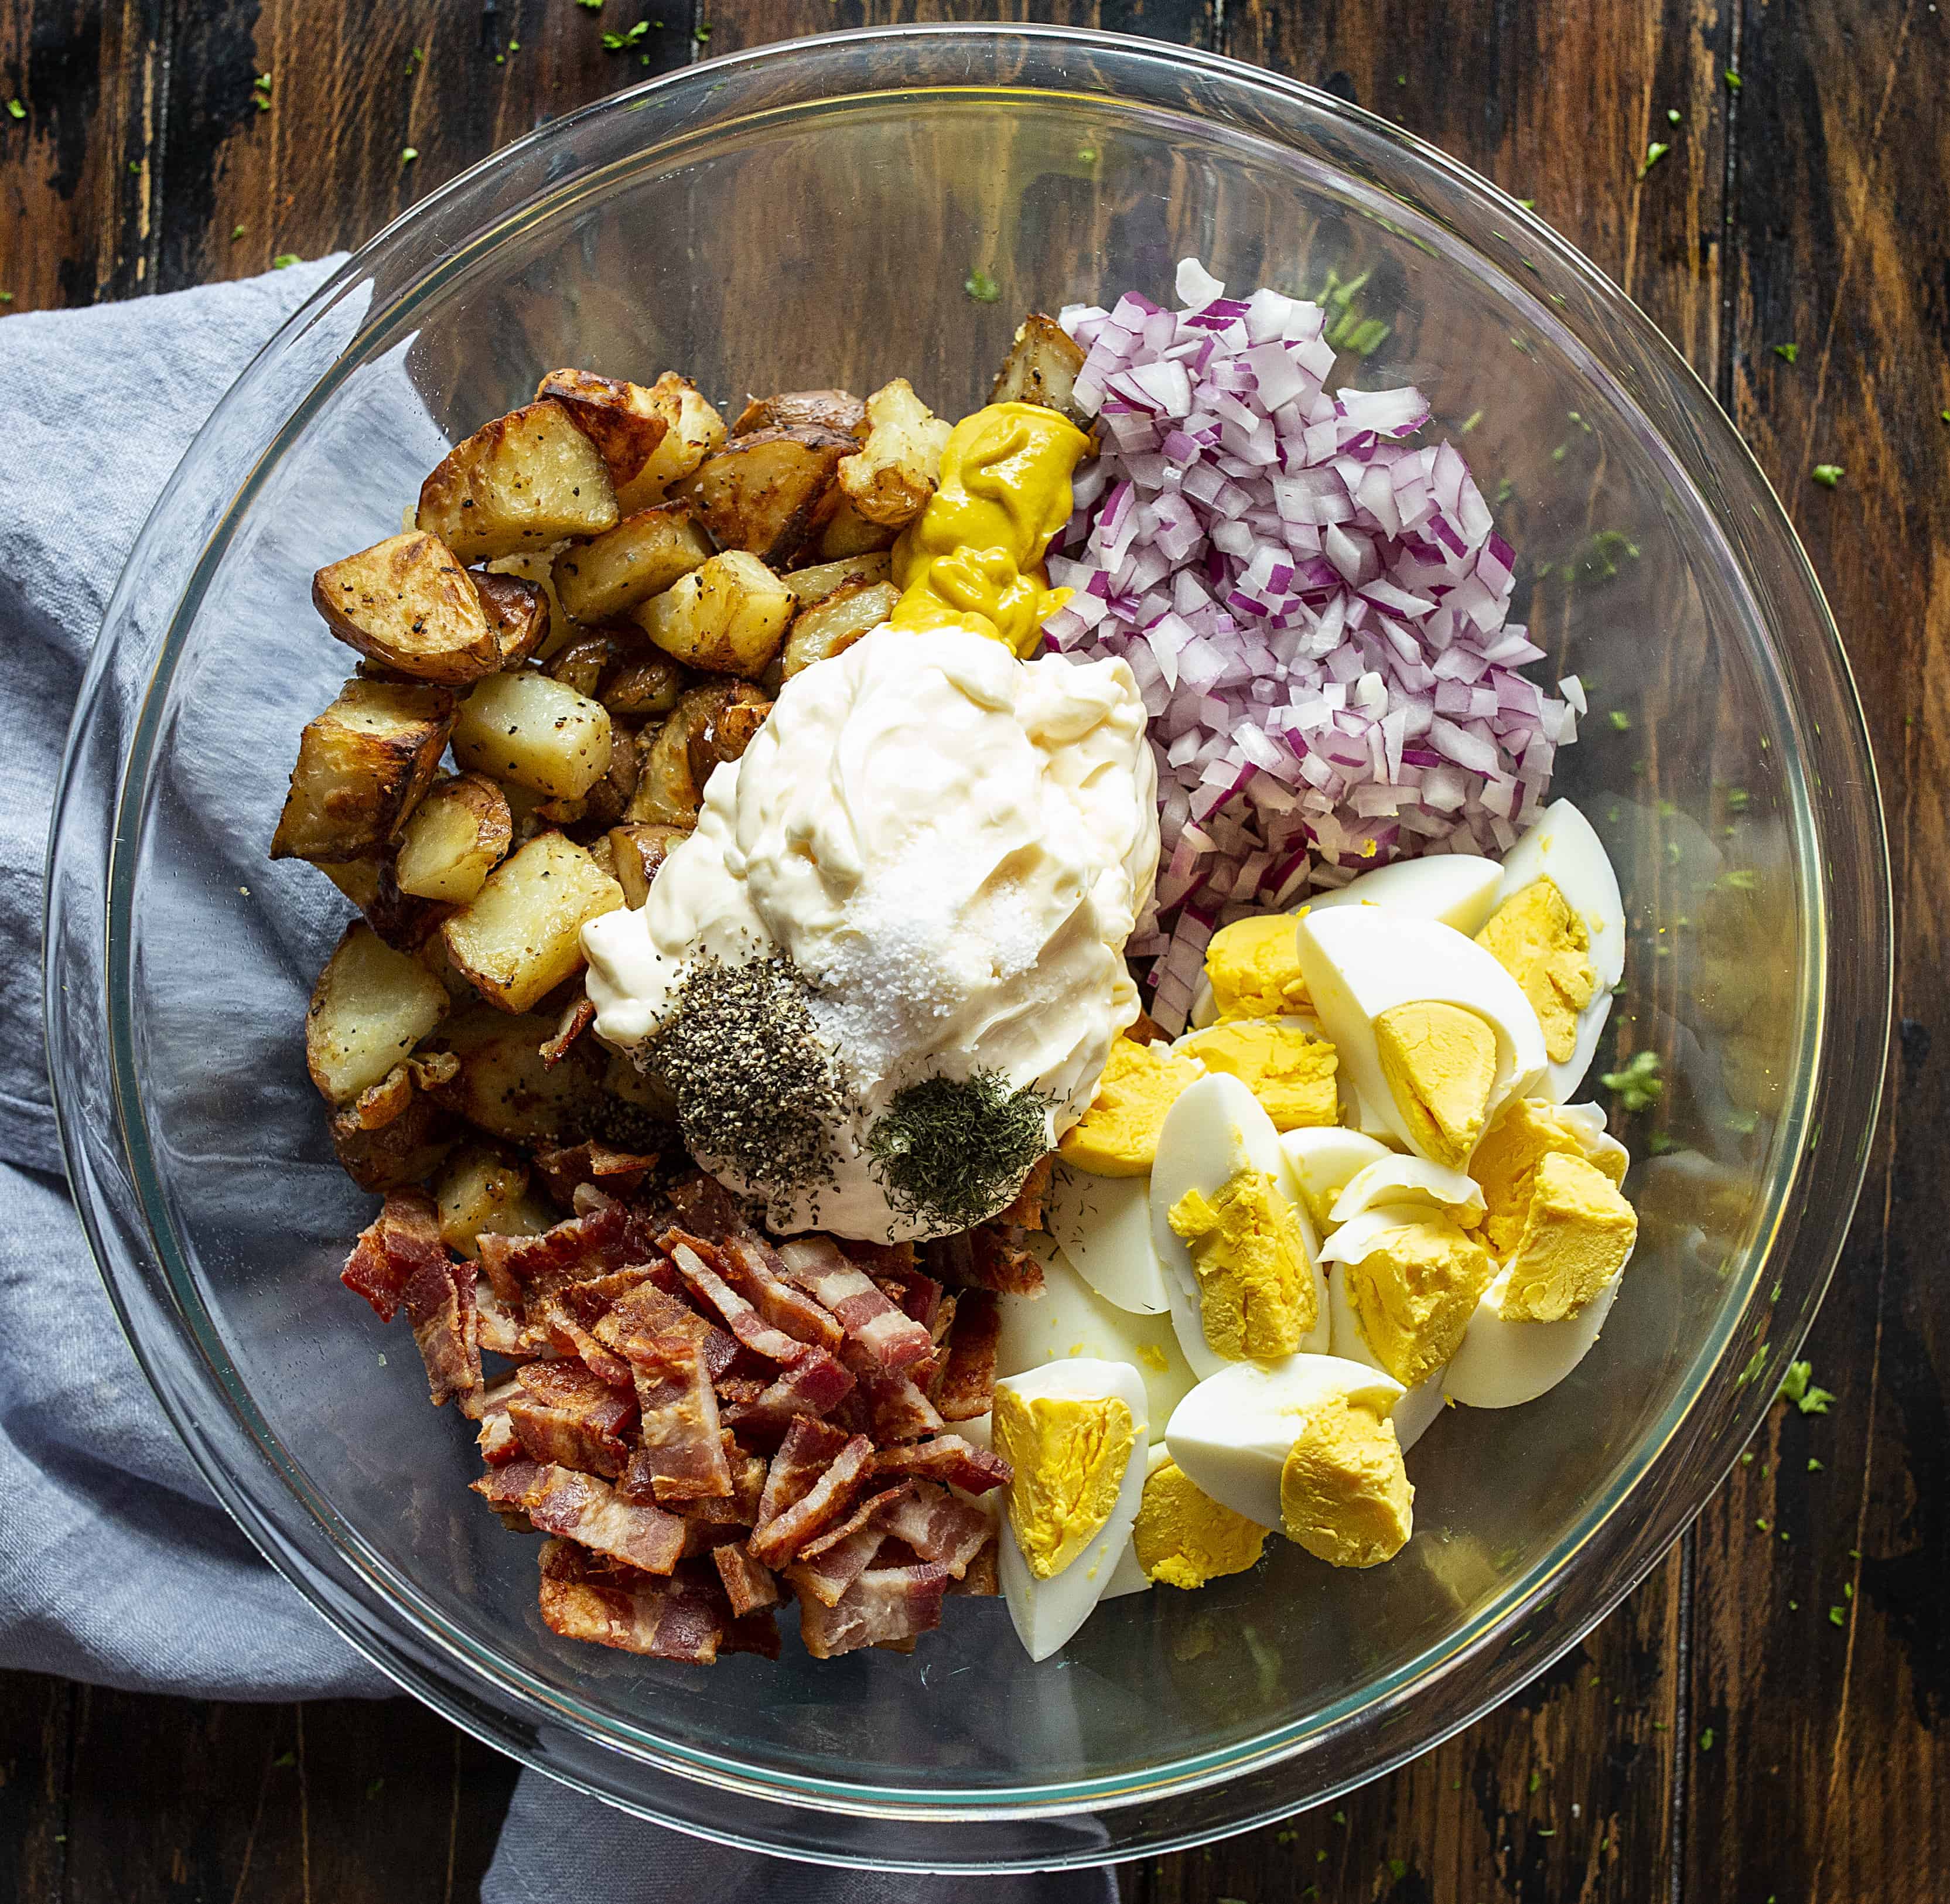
(1706,1739)
(619,43)
(408,154)
(1814,1465)
(1536,1779)
(1639,1084)
(284,260)
(1799,1389)
(1827,474)
(14,107)
(1672,115)
(981,287)
(1656,150)
(1838,1616)
(1621,721)
(1730,79)
(1787,353)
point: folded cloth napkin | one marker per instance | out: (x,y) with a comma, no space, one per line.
(120,1569)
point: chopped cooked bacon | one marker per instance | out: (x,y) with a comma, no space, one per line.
(899,1411)
(497,1440)
(749,1585)
(636,1612)
(814,1384)
(557,1321)
(400,1242)
(884,1604)
(648,1311)
(967,1385)
(992,1256)
(1026,1213)
(749,1264)
(682,1455)
(496,1326)
(947,1458)
(883,1259)
(578,1249)
(778,1537)
(439,1302)
(740,1507)
(740,1316)
(827,1566)
(755,1632)
(892,1338)
(565,1170)
(807,1451)
(737,1391)
(563,1413)
(938,1526)
(915,1293)
(560,1500)
(981,1579)
(576,1019)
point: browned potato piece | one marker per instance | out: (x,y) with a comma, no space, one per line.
(637,851)
(370,1007)
(1042,368)
(402,920)
(727,618)
(711,724)
(844,531)
(363,765)
(409,604)
(504,1088)
(522,935)
(640,686)
(537,732)
(897,467)
(834,623)
(763,493)
(582,664)
(539,568)
(483,1187)
(526,480)
(696,430)
(641,557)
(459,835)
(825,409)
(623,420)
(519,612)
(400,1150)
(814,585)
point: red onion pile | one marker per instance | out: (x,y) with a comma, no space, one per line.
(1314,609)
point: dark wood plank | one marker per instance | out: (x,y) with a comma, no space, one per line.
(36,1717)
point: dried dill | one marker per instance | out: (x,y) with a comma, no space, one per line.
(952,1150)
(754,1086)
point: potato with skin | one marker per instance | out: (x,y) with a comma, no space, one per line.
(641,686)
(603,580)
(461,832)
(539,732)
(897,468)
(537,569)
(814,585)
(825,409)
(362,768)
(696,430)
(726,617)
(622,419)
(836,622)
(404,922)
(370,1007)
(409,604)
(520,483)
(582,664)
(400,1150)
(764,493)
(638,853)
(1042,368)
(518,612)
(522,935)
(712,724)
(842,531)
(503,1086)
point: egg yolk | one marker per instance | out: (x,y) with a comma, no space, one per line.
(1344,1495)
(1253,965)
(1069,1453)
(1288,1070)
(1545,946)
(1117,1136)
(1184,1537)
(1440,1062)
(1505,1165)
(1577,1235)
(972,558)
(1414,1292)
(1256,1293)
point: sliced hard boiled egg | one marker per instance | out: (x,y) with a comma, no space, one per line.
(1433,1033)
(1420,1405)
(1408,1280)
(1128,1576)
(1503,1363)
(1391,1179)
(1525,1132)
(1536,935)
(1285,1062)
(1077,1435)
(1325,1162)
(1104,1226)
(1237,1247)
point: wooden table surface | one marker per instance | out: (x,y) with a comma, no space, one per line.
(1768,1717)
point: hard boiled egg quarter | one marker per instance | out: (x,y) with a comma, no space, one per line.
(1419,1407)
(1503,1363)
(1077,1435)
(1325,1162)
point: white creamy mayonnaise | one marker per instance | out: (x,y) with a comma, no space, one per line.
(952,846)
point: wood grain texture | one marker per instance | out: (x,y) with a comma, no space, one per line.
(1722,1735)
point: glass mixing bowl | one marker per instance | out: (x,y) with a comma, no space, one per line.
(813,214)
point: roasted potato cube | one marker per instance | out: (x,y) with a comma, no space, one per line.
(637,851)
(536,732)
(519,613)
(890,479)
(844,531)
(401,1150)
(640,686)
(526,480)
(539,568)
(711,724)
(409,604)
(696,430)
(1042,368)
(727,618)
(825,409)
(601,581)
(623,420)
(370,1007)
(814,585)
(504,1088)
(363,765)
(582,664)
(461,832)
(403,921)
(836,622)
(522,935)
(764,493)
(481,1188)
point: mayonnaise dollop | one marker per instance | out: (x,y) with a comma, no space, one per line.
(952,846)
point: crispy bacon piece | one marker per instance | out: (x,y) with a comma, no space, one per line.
(749,1264)
(682,1455)
(883,1259)
(439,1302)
(634,1612)
(885,1604)
(940,1528)
(981,1579)
(1026,1213)
(557,1318)
(562,1413)
(576,1018)
(566,1170)
(827,1566)
(992,1256)
(946,1458)
(898,1409)
(495,1327)
(778,1537)
(806,1453)
(400,1241)
(749,1585)
(915,1293)
(892,1339)
(647,1310)
(559,1501)
(496,1440)
(738,1509)
(524,1269)
(968,1384)
(710,1288)
(755,1632)
(815,1385)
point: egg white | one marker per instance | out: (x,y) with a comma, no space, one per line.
(1504,1364)
(1419,1405)
(1104,1226)
(1128,1577)
(1324,1161)
(1412,1180)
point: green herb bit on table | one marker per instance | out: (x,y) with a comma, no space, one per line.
(981,287)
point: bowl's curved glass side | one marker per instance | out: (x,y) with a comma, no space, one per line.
(230,1295)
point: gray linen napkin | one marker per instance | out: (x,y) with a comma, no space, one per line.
(116,1566)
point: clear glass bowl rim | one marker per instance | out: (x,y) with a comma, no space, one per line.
(181,1354)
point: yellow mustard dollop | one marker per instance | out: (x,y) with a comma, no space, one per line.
(972,558)
(1577,1235)
(1344,1494)
(1184,1537)
(1117,1136)
(1256,1292)
(1546,947)
(1069,1454)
